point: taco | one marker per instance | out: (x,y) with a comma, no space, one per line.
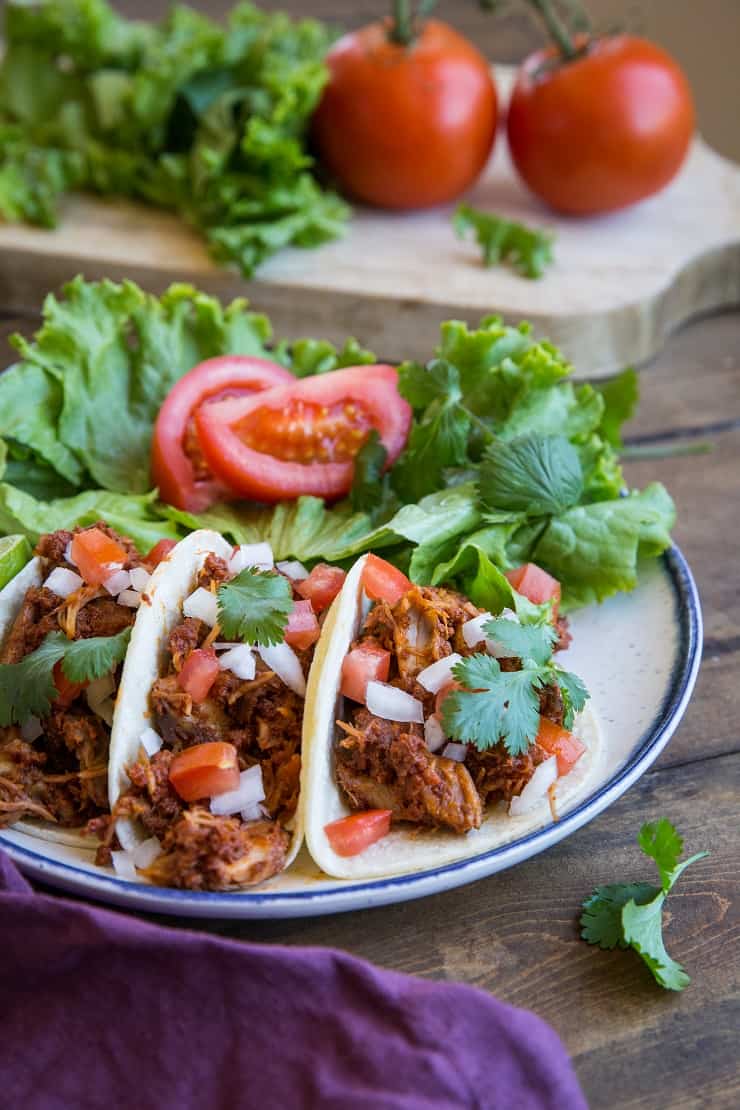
(65,624)
(206,749)
(438,730)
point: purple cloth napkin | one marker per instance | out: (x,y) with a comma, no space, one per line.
(103,1010)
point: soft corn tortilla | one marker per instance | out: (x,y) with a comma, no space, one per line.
(406,848)
(171,583)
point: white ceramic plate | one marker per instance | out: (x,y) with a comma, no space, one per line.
(639,655)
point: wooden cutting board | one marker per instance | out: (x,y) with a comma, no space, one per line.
(619,284)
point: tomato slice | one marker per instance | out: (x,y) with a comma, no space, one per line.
(178,468)
(67,690)
(198,673)
(366,663)
(303,438)
(159,552)
(303,628)
(322,586)
(381,581)
(351,835)
(205,770)
(93,552)
(557,741)
(536,584)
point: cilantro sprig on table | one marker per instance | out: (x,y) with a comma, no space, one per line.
(527,249)
(497,705)
(630,915)
(27,688)
(255,606)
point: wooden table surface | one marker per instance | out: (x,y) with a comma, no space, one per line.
(516,933)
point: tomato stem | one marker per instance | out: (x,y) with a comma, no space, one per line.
(556,27)
(404,21)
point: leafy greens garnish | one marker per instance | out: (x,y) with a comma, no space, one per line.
(255,606)
(497,705)
(529,250)
(27,688)
(533,474)
(206,119)
(371,492)
(631,914)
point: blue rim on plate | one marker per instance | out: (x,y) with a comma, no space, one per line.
(348,895)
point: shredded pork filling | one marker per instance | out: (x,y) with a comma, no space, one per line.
(383,764)
(61,776)
(263,719)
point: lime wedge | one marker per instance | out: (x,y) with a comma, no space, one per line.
(15,551)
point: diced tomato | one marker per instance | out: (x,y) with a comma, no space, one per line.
(536,584)
(302,438)
(303,628)
(198,674)
(159,552)
(381,581)
(322,586)
(442,694)
(561,743)
(93,553)
(205,770)
(178,468)
(67,690)
(366,663)
(351,835)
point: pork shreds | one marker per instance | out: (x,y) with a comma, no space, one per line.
(62,776)
(263,719)
(383,764)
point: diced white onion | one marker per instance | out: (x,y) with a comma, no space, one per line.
(68,555)
(31,729)
(393,704)
(123,864)
(438,674)
(293,569)
(63,582)
(130,598)
(139,578)
(257,555)
(456,752)
(98,695)
(281,659)
(145,853)
(473,630)
(544,776)
(249,792)
(118,581)
(150,741)
(508,615)
(240,661)
(202,605)
(254,812)
(434,734)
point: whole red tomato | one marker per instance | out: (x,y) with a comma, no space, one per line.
(603,130)
(406,126)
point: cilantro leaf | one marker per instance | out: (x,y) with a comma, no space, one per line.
(421,385)
(602,912)
(27,688)
(496,705)
(528,641)
(439,440)
(254,606)
(575,694)
(86,660)
(631,914)
(642,927)
(529,250)
(534,474)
